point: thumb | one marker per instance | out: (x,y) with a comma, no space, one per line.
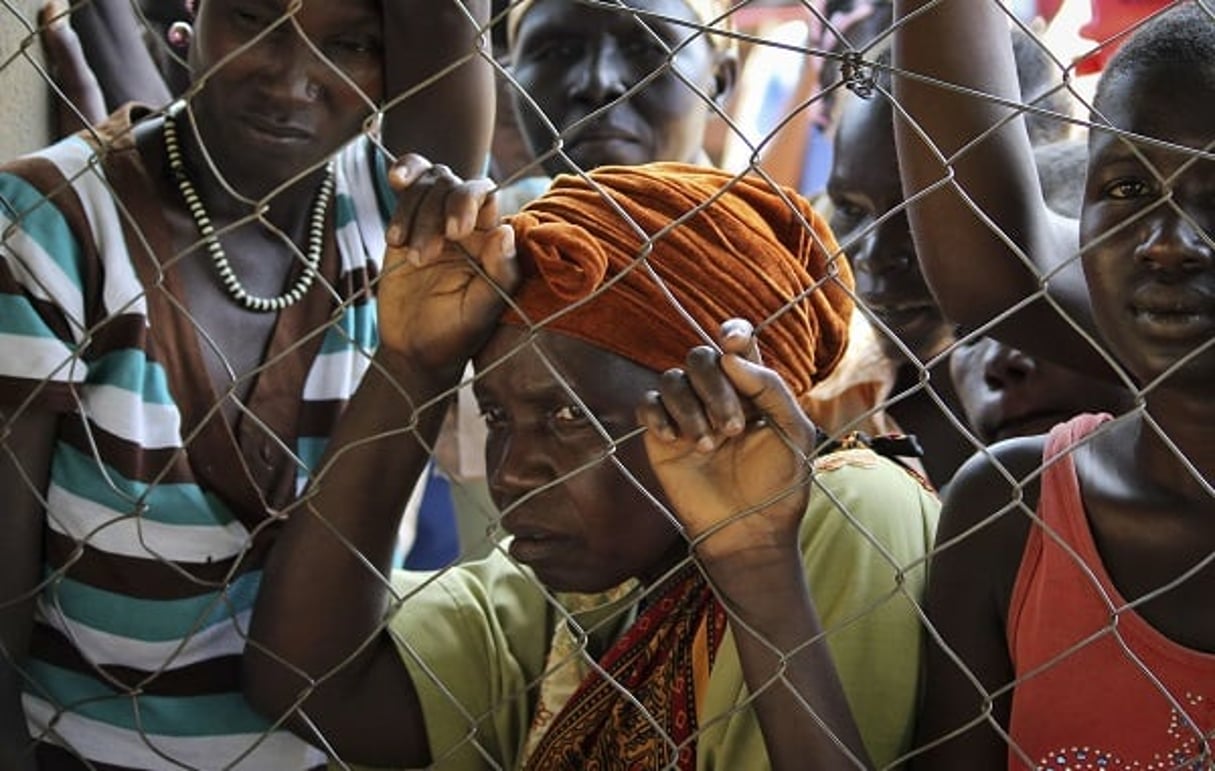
(771,397)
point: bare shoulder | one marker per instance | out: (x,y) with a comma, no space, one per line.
(987,511)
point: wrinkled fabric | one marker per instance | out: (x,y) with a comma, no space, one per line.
(648,261)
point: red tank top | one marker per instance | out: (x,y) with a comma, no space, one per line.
(1097,687)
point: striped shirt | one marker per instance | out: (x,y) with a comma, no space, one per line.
(157,509)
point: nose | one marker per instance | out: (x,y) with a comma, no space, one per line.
(292,70)
(1174,242)
(603,77)
(1005,367)
(515,467)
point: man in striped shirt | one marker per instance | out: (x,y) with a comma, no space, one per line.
(156,417)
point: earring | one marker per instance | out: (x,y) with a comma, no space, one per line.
(179,34)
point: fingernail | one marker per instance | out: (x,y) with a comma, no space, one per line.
(413,257)
(453,227)
(734,426)
(508,242)
(55,14)
(393,235)
(706,444)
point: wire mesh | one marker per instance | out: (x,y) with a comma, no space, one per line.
(156,440)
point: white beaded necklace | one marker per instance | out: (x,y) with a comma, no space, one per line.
(316,233)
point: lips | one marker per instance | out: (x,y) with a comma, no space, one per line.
(277,131)
(1028,424)
(600,132)
(1173,311)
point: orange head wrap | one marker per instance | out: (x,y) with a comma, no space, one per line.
(722,247)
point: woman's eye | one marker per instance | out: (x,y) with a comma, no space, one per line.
(570,413)
(493,417)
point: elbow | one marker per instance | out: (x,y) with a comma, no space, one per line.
(271,686)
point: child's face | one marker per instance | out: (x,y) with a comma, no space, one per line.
(578,519)
(864,188)
(1005,392)
(576,61)
(292,92)
(1148,222)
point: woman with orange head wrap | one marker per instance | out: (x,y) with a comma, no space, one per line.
(702,593)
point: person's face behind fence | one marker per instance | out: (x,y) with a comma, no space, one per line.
(864,187)
(1005,392)
(576,517)
(292,92)
(1148,223)
(576,61)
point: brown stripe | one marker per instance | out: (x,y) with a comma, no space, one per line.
(119,333)
(45,177)
(49,396)
(213,676)
(150,579)
(49,313)
(150,466)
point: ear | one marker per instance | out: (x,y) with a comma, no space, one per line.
(725,75)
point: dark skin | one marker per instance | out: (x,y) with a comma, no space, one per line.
(1006,392)
(563,507)
(1150,272)
(269,117)
(584,69)
(998,176)
(869,219)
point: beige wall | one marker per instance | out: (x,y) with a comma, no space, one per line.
(23,92)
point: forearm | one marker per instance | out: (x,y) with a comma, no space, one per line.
(799,700)
(324,593)
(965,45)
(25,459)
(439,81)
(16,750)
(984,236)
(114,45)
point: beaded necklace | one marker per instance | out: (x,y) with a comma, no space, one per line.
(316,233)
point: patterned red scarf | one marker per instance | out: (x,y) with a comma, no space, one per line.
(662,662)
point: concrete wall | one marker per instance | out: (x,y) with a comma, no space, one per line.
(23,92)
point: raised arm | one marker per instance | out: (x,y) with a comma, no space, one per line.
(971,230)
(320,615)
(25,456)
(714,461)
(111,37)
(449,120)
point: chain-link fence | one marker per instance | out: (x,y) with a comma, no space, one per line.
(235,376)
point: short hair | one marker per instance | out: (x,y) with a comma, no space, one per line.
(1183,34)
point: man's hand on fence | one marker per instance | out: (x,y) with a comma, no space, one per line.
(449,266)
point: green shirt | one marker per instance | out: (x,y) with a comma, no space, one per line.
(474,638)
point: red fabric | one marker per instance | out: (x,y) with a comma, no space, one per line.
(655,663)
(603,257)
(1094,707)
(1111,18)
(1048,8)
